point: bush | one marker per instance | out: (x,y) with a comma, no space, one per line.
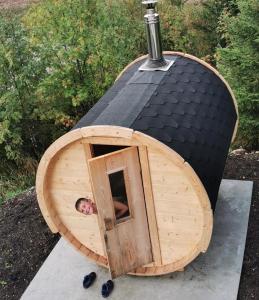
(83,44)
(239,64)
(20,72)
(54,65)
(186,27)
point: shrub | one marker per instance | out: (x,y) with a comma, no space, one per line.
(83,44)
(191,26)
(54,65)
(20,71)
(63,56)
(185,28)
(239,63)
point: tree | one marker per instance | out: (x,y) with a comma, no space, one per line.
(54,65)
(239,64)
(20,71)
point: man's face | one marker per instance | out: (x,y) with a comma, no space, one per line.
(86,207)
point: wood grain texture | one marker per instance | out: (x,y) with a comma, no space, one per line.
(151,212)
(66,186)
(127,243)
(106,131)
(181,208)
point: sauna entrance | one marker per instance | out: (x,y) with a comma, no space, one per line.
(126,238)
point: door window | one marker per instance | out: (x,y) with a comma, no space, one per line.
(119,194)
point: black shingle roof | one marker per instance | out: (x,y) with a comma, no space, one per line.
(188,108)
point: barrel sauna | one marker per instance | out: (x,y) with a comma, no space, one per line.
(167,135)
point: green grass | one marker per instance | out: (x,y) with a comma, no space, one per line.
(9,13)
(14,185)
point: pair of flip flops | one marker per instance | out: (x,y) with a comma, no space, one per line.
(106,287)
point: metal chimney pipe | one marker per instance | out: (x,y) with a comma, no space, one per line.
(155,59)
(153,33)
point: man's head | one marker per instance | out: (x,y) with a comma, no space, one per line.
(85,206)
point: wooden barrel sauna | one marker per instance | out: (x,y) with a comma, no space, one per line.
(168,133)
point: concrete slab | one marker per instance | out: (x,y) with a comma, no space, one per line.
(212,276)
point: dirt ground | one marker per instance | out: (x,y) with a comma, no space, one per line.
(246,167)
(14,3)
(25,243)
(26,240)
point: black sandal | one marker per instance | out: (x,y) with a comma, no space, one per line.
(107,288)
(89,279)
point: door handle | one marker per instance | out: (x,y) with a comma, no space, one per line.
(109,224)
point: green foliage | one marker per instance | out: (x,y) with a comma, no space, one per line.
(14,184)
(83,45)
(59,57)
(192,27)
(239,64)
(22,133)
(203,27)
(185,28)
(16,89)
(14,181)
(55,65)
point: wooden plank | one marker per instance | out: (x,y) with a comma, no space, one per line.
(62,142)
(88,150)
(102,260)
(68,170)
(84,250)
(67,138)
(65,185)
(41,191)
(106,130)
(207,232)
(135,187)
(151,214)
(104,140)
(179,211)
(92,255)
(89,154)
(197,186)
(76,243)
(101,190)
(127,244)
(115,163)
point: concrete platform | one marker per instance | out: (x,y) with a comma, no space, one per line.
(212,276)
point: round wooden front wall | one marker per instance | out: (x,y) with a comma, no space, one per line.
(178,208)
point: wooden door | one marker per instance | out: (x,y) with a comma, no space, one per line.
(126,239)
